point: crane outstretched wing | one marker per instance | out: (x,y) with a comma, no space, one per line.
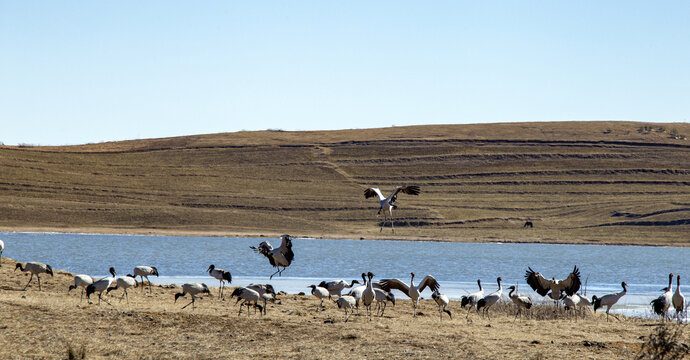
(572,284)
(429,281)
(412,190)
(537,282)
(286,248)
(389,284)
(372,192)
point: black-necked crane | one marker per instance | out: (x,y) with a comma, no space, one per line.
(553,287)
(472,299)
(319,293)
(2,248)
(661,304)
(100,286)
(346,302)
(414,292)
(576,302)
(382,298)
(678,300)
(249,297)
(389,203)
(266,292)
(35,268)
(262,289)
(124,283)
(369,295)
(442,302)
(489,300)
(521,300)
(82,281)
(220,275)
(193,289)
(266,297)
(336,287)
(144,271)
(609,300)
(281,256)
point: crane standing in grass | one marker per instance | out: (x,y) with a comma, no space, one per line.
(412,291)
(124,283)
(35,268)
(661,304)
(222,276)
(388,203)
(678,301)
(101,285)
(442,302)
(609,300)
(144,272)
(489,300)
(522,301)
(472,299)
(81,280)
(192,289)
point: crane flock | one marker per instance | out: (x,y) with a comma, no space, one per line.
(368,291)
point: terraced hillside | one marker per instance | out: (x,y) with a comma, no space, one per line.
(584,182)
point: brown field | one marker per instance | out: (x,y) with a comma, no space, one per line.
(38,325)
(578,182)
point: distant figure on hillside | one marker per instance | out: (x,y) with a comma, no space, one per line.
(528,224)
(389,202)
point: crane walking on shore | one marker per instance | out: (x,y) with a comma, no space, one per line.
(220,275)
(609,300)
(144,272)
(35,268)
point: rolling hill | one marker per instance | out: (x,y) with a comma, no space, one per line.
(577,182)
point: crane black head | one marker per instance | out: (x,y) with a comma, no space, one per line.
(176,295)
(49,270)
(210,268)
(370,275)
(155,271)
(206,290)
(19,266)
(112,271)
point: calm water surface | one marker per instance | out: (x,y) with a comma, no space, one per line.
(456,266)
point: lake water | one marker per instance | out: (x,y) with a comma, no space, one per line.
(456,266)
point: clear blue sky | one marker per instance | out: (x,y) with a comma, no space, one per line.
(75,72)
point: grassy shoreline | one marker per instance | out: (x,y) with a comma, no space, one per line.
(45,324)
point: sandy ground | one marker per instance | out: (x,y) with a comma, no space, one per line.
(45,324)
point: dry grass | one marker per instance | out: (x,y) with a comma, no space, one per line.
(578,182)
(50,324)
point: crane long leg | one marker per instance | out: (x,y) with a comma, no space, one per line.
(106,300)
(31,278)
(277,272)
(39,281)
(190,303)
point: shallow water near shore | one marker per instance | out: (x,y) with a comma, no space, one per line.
(456,266)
